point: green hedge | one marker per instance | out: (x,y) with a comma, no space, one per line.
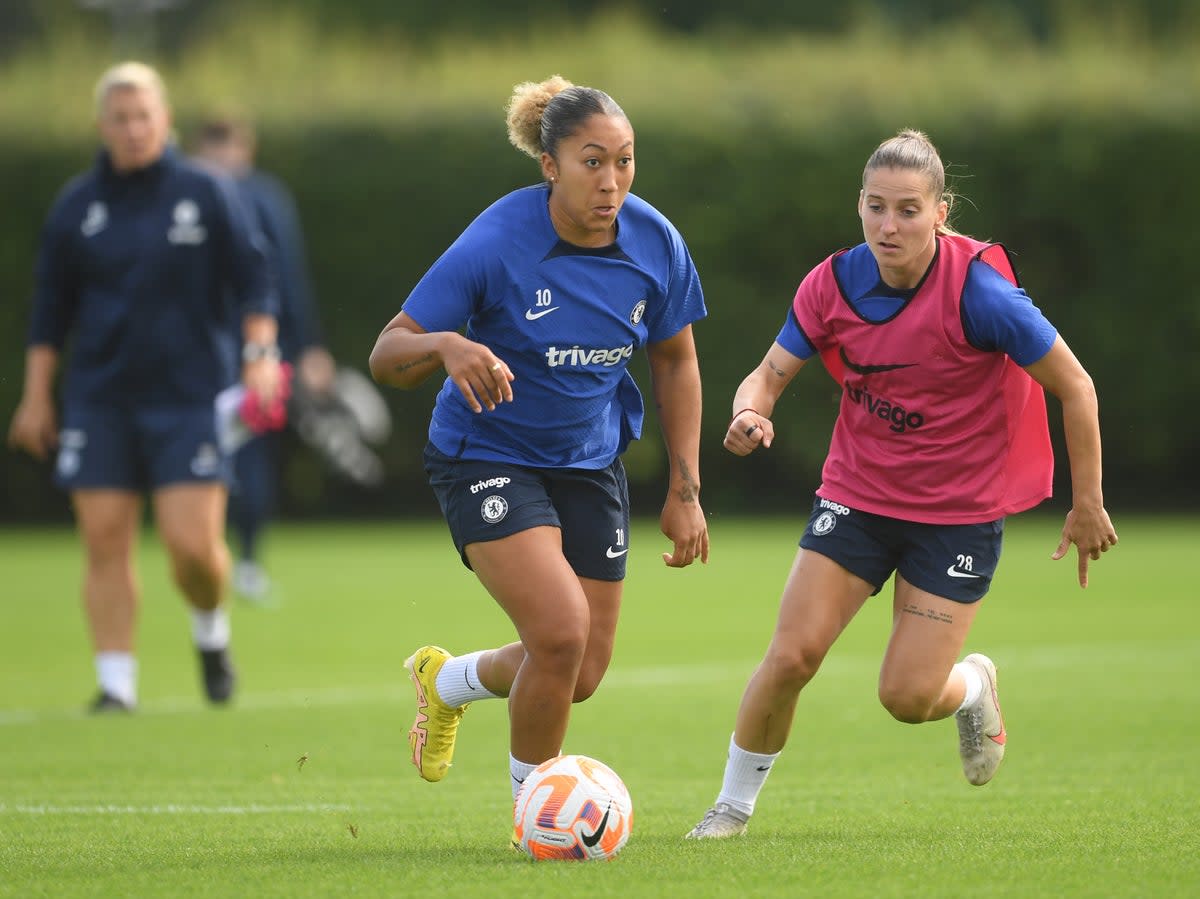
(1079,158)
(1095,215)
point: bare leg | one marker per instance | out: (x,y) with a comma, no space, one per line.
(191,522)
(108,523)
(819,600)
(528,576)
(497,668)
(916,681)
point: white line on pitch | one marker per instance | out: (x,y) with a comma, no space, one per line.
(392,693)
(1165,655)
(169,809)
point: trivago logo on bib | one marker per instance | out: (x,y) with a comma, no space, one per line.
(579,357)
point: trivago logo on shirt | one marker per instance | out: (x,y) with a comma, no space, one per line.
(579,357)
(899,419)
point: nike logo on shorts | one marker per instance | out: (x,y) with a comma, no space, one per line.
(534,316)
(615,553)
(954,572)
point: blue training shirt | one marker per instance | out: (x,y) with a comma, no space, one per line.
(997,315)
(139,272)
(565,319)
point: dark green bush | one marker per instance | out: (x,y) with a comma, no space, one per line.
(1096,216)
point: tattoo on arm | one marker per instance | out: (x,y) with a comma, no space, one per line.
(687,491)
(405,366)
(776,369)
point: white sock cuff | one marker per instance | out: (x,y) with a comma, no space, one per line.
(458,680)
(974,684)
(210,628)
(743,758)
(116,675)
(518,771)
(745,774)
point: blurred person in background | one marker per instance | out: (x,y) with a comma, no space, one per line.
(942,432)
(556,285)
(140,259)
(230,143)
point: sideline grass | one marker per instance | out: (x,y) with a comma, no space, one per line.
(1098,796)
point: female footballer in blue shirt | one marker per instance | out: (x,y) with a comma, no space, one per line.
(553,288)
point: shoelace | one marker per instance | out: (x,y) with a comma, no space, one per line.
(720,810)
(707,820)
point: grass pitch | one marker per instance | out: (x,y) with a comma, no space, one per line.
(302,787)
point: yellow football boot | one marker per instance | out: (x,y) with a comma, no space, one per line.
(436,726)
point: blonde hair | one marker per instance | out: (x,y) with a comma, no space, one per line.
(541,113)
(913,151)
(136,75)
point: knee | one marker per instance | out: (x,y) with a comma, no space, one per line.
(198,558)
(560,649)
(792,667)
(905,705)
(108,549)
(108,556)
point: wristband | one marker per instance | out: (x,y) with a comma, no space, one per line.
(740,411)
(253,351)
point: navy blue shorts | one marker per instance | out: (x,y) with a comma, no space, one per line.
(485,501)
(954,561)
(138,449)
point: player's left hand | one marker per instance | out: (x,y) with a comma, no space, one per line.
(684,524)
(1092,533)
(260,410)
(263,378)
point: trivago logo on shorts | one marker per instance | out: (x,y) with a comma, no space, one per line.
(489,483)
(836,508)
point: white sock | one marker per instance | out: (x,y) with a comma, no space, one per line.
(210,629)
(519,771)
(116,673)
(974,682)
(745,774)
(458,681)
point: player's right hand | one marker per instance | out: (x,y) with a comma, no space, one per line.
(747,432)
(34,428)
(484,380)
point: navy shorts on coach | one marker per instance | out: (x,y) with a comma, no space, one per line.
(138,448)
(954,561)
(485,501)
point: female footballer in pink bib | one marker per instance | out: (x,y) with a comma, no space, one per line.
(941,433)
